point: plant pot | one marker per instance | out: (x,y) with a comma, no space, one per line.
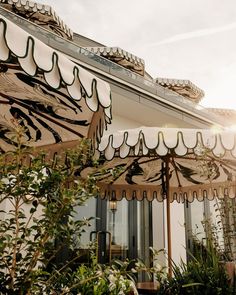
(230,270)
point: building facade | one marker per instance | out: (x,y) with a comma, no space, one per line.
(125,229)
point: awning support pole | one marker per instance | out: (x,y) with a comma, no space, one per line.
(168,218)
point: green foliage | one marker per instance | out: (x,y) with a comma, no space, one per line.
(37,225)
(204,274)
(37,198)
(101,279)
(223,228)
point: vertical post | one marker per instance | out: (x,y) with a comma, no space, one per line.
(168,217)
(113,228)
(113,208)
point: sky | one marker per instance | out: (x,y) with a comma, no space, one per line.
(184,39)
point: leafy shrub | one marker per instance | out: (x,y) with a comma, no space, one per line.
(37,226)
(204,274)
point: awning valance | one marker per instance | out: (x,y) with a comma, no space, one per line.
(53,98)
(145,140)
(200,164)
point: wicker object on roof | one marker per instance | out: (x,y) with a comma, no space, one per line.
(40,14)
(121,57)
(183,87)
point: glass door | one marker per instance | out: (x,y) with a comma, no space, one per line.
(120,229)
(86,211)
(197,215)
(130,225)
(118,226)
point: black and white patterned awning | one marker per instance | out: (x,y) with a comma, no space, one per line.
(53,98)
(201,164)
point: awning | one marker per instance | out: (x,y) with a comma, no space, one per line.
(200,163)
(53,98)
(167,164)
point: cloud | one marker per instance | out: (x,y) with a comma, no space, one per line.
(194,34)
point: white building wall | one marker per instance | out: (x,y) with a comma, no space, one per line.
(178,232)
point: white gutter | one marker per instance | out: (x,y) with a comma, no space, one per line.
(145,92)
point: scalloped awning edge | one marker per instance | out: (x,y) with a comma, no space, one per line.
(163,140)
(57,68)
